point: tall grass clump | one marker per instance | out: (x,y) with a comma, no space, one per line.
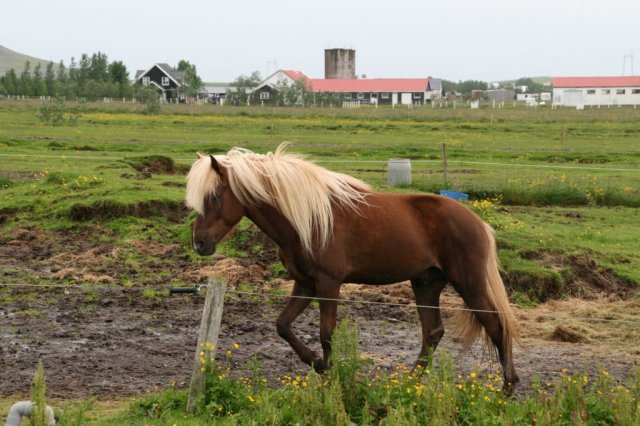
(38,392)
(355,392)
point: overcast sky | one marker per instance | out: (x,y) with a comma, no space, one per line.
(454,39)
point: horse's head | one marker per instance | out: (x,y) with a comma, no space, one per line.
(217,208)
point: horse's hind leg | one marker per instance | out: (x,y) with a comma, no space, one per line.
(296,304)
(427,291)
(477,300)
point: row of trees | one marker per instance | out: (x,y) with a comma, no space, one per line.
(92,77)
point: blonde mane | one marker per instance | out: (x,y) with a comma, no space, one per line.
(303,192)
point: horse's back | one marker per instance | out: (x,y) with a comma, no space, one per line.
(400,236)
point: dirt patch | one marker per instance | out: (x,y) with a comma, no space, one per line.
(106,340)
(156,164)
(565,334)
(108,209)
(568,276)
(121,343)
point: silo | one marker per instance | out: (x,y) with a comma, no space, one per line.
(339,63)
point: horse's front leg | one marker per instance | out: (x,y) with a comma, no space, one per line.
(328,293)
(296,304)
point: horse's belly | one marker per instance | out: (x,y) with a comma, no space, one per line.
(389,275)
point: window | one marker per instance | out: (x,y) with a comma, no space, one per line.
(165,81)
(360,95)
(146,80)
(620,91)
(264,96)
(384,95)
(606,91)
(635,91)
(591,91)
(417,95)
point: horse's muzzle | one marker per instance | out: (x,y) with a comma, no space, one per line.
(204,248)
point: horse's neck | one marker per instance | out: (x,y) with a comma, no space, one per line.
(274,224)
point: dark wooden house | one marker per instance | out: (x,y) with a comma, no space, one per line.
(166,79)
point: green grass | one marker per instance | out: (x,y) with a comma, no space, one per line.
(561,187)
(62,178)
(353,392)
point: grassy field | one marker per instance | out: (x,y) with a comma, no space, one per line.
(584,163)
(561,187)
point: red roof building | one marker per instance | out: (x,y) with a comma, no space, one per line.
(623,81)
(596,91)
(391,91)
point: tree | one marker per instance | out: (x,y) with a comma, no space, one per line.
(10,82)
(192,83)
(84,69)
(61,75)
(239,91)
(151,99)
(73,70)
(291,94)
(468,86)
(24,84)
(531,86)
(50,80)
(119,75)
(38,86)
(98,67)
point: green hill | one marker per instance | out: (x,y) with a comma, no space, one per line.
(10,59)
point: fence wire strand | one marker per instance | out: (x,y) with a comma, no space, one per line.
(339,300)
(320,161)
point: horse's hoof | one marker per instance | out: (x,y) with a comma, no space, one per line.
(318,365)
(509,386)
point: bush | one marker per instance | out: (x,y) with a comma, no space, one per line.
(56,113)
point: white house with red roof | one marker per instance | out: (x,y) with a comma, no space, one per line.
(383,91)
(596,91)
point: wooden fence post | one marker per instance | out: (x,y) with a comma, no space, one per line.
(444,164)
(209,329)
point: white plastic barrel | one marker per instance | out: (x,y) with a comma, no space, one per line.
(399,171)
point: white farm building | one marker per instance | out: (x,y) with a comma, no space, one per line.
(596,91)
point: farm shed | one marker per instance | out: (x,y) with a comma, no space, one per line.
(216,93)
(596,91)
(166,79)
(383,91)
(500,95)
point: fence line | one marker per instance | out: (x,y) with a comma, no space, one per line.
(491,368)
(320,161)
(339,300)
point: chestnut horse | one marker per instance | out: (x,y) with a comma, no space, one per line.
(332,228)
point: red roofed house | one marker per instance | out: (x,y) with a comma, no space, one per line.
(383,91)
(596,91)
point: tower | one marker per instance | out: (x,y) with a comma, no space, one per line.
(340,63)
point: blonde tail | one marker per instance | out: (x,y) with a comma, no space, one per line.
(468,326)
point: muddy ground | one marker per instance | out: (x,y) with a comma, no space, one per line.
(98,338)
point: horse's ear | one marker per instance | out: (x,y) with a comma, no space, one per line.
(214,164)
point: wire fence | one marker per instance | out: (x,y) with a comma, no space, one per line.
(271,295)
(486,365)
(381,162)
